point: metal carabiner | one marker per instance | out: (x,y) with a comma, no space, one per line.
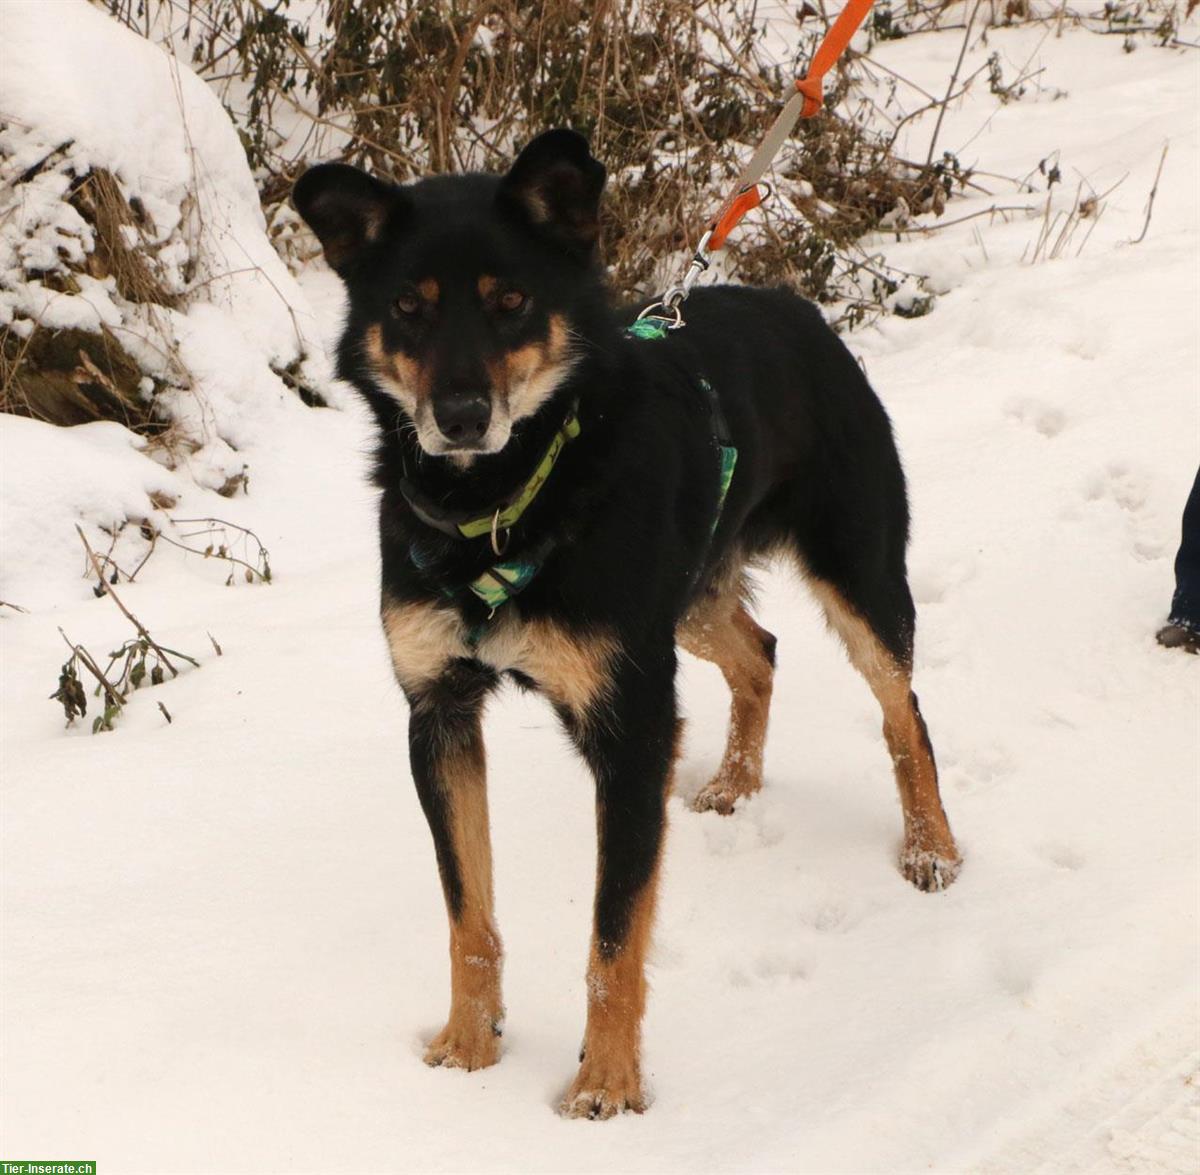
(671,308)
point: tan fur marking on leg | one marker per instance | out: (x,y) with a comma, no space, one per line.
(421,638)
(721,630)
(470,1039)
(930,858)
(573,668)
(609,1080)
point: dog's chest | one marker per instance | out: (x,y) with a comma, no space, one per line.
(571,666)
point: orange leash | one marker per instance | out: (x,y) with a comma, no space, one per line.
(836,42)
(749,192)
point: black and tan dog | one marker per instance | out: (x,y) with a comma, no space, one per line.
(564,501)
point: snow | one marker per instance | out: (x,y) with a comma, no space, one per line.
(68,67)
(93,472)
(224,942)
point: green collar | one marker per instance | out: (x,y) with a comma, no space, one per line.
(508,516)
(504,515)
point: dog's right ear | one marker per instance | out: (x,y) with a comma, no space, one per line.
(347,209)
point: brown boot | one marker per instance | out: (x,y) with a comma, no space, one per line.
(1179,636)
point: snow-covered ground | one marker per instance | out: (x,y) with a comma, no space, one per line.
(223,938)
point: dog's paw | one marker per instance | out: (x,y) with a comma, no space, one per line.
(721,796)
(712,799)
(603,1094)
(930,871)
(454,1048)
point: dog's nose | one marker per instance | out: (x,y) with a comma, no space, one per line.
(463,419)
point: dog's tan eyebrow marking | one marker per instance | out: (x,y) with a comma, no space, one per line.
(487,285)
(428,289)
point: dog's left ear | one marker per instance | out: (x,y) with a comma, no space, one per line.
(555,186)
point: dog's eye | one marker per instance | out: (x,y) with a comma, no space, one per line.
(511,301)
(406,304)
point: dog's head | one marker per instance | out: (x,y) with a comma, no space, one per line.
(463,290)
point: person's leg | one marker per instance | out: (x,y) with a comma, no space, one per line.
(1182,629)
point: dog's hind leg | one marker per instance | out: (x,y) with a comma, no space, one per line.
(880,648)
(720,629)
(446,750)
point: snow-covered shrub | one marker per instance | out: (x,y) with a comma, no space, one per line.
(674,98)
(86,277)
(133,248)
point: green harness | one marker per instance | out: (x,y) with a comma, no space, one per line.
(654,328)
(509,577)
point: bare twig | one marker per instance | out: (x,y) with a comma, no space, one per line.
(962,52)
(153,534)
(453,81)
(262,571)
(932,228)
(1153,192)
(108,590)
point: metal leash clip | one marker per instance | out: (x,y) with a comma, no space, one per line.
(806,101)
(749,196)
(672,301)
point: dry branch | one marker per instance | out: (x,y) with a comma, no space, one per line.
(108,591)
(1153,192)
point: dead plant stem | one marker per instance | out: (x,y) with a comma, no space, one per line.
(962,52)
(108,590)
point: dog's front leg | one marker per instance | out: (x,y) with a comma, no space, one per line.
(446,749)
(630,745)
